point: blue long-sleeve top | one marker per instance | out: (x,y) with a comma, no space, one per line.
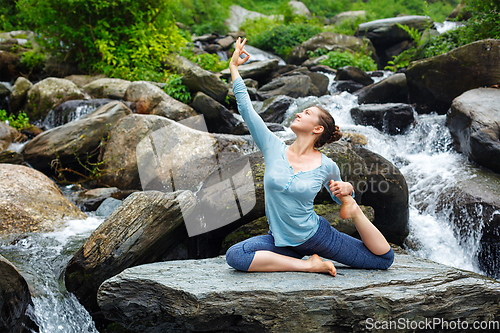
(289,196)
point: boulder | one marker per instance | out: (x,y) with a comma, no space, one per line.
(150,99)
(354,74)
(82,80)
(65,147)
(47,94)
(274,109)
(9,65)
(5,89)
(434,82)
(319,80)
(472,206)
(392,118)
(242,128)
(329,41)
(474,123)
(350,15)
(260,55)
(179,64)
(107,88)
(31,202)
(16,306)
(11,157)
(460,12)
(217,117)
(238,15)
(72,110)
(346,85)
(191,295)
(256,70)
(17,97)
(7,135)
(299,8)
(188,153)
(90,200)
(293,86)
(147,227)
(198,79)
(386,31)
(392,89)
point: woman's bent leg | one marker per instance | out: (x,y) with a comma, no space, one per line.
(259,254)
(332,244)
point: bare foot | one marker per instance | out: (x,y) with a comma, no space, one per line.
(349,207)
(320,266)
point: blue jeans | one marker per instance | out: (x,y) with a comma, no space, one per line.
(327,242)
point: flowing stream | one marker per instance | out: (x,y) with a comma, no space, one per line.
(424,154)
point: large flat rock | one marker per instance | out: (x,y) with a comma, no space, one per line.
(208,295)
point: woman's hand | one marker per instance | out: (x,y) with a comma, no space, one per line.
(238,51)
(340,189)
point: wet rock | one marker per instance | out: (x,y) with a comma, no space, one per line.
(354,74)
(329,41)
(434,82)
(274,109)
(7,135)
(150,99)
(392,118)
(31,202)
(107,88)
(16,306)
(257,55)
(389,90)
(189,154)
(474,123)
(146,227)
(198,79)
(293,86)
(64,147)
(90,200)
(347,85)
(323,68)
(107,207)
(217,117)
(386,31)
(47,94)
(256,70)
(17,97)
(191,295)
(72,110)
(11,157)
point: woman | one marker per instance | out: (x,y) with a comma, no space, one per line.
(293,176)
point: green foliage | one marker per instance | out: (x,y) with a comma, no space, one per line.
(122,38)
(210,62)
(20,122)
(203,16)
(485,21)
(338,59)
(281,38)
(347,27)
(175,89)
(32,61)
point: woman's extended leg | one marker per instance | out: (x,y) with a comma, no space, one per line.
(370,235)
(259,254)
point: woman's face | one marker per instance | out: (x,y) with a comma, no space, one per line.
(306,121)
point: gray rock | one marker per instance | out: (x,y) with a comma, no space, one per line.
(350,15)
(386,31)
(75,139)
(198,79)
(347,85)
(226,42)
(389,90)
(146,227)
(7,135)
(47,94)
(255,70)
(150,99)
(392,118)
(218,118)
(188,153)
(299,8)
(329,41)
(107,207)
(16,305)
(459,13)
(17,98)
(107,88)
(434,82)
(474,123)
(191,295)
(5,89)
(354,74)
(238,15)
(179,63)
(82,80)
(274,109)
(72,110)
(31,202)
(294,86)
(260,55)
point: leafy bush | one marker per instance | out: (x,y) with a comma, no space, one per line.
(203,16)
(175,89)
(20,122)
(122,38)
(337,59)
(32,61)
(210,62)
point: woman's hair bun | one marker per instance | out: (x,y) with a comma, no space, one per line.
(336,135)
